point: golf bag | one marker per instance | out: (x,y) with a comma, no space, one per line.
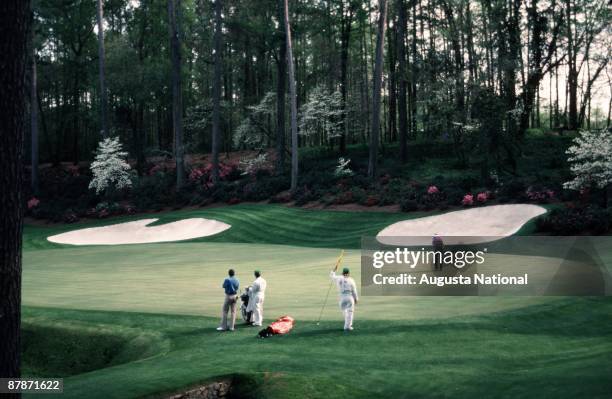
(281,326)
(245,297)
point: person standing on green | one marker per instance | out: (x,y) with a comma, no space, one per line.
(348,295)
(230,286)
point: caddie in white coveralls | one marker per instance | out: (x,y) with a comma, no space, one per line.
(348,296)
(258,291)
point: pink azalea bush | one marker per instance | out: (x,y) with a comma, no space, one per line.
(468,200)
(482,197)
(540,195)
(204,173)
(33,202)
(432,190)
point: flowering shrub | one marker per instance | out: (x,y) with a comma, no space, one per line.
(70,216)
(544,195)
(203,174)
(254,165)
(432,190)
(482,197)
(576,220)
(33,202)
(342,169)
(591,160)
(110,169)
(468,200)
(105,209)
(196,174)
(432,199)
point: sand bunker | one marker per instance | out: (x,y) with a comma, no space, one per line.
(470,226)
(138,233)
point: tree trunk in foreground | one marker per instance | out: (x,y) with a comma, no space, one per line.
(34,124)
(378,65)
(293,95)
(14,24)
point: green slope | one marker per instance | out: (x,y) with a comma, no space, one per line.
(256,223)
(558,350)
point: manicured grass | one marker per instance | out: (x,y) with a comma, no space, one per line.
(255,223)
(261,224)
(147,318)
(557,350)
(186,279)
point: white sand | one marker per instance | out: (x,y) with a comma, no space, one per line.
(138,233)
(474,225)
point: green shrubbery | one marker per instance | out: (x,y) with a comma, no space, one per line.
(573,220)
(430,180)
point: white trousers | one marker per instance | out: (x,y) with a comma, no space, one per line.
(257,310)
(347,305)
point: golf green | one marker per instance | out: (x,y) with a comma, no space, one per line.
(139,320)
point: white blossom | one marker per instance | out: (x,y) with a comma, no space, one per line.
(342,168)
(591,160)
(252,165)
(322,113)
(109,168)
(253,131)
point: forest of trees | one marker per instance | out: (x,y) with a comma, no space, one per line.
(216,72)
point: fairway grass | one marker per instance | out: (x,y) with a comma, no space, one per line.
(131,321)
(255,223)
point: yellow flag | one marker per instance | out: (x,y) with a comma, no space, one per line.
(339,260)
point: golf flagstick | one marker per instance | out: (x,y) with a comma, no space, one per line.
(330,285)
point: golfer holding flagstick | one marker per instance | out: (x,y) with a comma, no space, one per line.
(348,293)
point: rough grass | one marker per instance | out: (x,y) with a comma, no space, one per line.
(556,350)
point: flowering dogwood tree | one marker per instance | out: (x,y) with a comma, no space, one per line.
(591,159)
(253,131)
(321,114)
(342,169)
(110,169)
(253,165)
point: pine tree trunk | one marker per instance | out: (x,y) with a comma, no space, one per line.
(14,25)
(216,116)
(101,65)
(280,90)
(414,73)
(392,87)
(377,86)
(177,97)
(572,73)
(292,93)
(345,37)
(401,55)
